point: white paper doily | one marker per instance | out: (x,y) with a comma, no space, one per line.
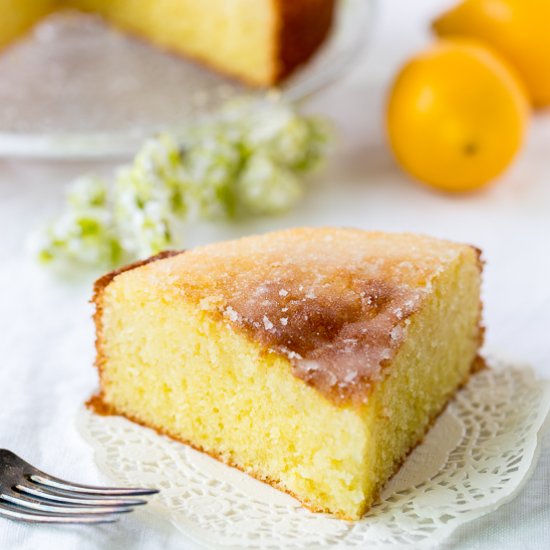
(476,457)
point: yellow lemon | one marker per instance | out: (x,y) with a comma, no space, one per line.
(518,29)
(456,116)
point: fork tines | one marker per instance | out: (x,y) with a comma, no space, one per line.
(28,494)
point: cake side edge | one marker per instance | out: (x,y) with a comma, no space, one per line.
(477,365)
(302,29)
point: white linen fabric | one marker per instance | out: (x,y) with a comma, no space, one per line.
(46,335)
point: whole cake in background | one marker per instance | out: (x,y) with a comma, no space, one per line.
(312,359)
(258,41)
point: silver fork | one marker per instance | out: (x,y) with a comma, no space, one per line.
(28,494)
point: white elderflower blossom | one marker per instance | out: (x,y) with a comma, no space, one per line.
(247,160)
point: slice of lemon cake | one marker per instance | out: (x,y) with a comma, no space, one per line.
(258,41)
(312,359)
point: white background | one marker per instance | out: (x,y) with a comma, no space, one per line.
(46,337)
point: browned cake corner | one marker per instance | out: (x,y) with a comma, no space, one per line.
(303,27)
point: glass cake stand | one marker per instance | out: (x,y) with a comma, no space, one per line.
(75,88)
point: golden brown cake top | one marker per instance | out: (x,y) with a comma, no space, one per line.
(335,302)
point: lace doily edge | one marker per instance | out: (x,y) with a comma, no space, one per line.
(541,427)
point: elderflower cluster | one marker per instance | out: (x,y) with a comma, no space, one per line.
(248,160)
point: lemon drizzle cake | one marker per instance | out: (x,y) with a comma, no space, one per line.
(259,41)
(313,359)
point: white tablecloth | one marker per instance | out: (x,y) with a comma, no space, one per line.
(46,341)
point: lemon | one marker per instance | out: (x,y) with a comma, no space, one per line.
(517,29)
(456,116)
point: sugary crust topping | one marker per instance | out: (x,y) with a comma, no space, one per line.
(335,302)
(337,333)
